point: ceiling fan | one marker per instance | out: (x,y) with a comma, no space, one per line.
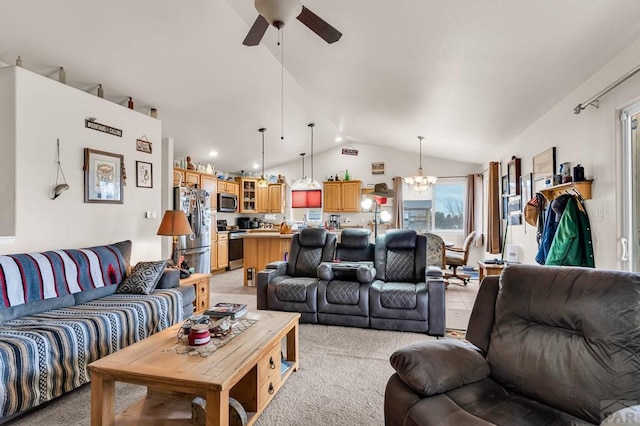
(280,12)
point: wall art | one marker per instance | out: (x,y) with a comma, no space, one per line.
(544,164)
(526,188)
(144,174)
(377,168)
(513,176)
(91,123)
(103,178)
(143,145)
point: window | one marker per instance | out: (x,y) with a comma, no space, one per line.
(437,209)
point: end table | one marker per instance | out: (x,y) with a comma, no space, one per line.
(201,284)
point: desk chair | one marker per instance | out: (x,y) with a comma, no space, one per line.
(458,256)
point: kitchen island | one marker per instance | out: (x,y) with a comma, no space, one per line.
(261,248)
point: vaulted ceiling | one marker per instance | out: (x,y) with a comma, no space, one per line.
(469,75)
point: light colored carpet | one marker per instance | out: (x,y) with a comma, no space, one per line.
(342,376)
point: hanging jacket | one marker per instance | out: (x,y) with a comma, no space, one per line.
(548,232)
(572,244)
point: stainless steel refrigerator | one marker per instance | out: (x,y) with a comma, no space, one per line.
(196,248)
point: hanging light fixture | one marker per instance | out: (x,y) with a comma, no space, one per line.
(420,182)
(307,192)
(262,182)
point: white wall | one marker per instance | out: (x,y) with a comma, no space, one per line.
(397,163)
(591,139)
(46,110)
(8,157)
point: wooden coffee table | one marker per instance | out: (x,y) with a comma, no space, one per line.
(248,368)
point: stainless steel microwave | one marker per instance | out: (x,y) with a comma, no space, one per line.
(227,202)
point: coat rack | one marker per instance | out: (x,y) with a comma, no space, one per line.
(582,189)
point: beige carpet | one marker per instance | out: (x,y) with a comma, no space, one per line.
(341,381)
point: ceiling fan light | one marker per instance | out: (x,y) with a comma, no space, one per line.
(279,11)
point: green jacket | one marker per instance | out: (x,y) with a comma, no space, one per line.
(572,245)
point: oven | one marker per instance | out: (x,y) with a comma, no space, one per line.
(236,249)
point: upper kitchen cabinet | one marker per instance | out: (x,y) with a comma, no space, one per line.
(248,195)
(271,198)
(208,183)
(228,187)
(276,198)
(342,197)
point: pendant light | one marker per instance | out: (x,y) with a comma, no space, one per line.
(262,182)
(59,188)
(307,192)
(420,182)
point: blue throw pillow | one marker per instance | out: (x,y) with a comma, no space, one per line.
(143,278)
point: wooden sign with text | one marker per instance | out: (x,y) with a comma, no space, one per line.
(349,151)
(94,125)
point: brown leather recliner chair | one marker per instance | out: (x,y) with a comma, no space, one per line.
(553,346)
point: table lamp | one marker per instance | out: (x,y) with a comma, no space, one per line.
(174,223)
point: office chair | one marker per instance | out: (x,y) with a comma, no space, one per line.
(458,256)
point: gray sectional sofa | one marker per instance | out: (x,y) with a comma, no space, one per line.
(59,311)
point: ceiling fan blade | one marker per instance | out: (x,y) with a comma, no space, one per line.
(319,26)
(256,32)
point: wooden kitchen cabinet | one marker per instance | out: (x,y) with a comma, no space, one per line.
(276,198)
(192,178)
(208,182)
(214,251)
(248,195)
(342,197)
(223,251)
(271,198)
(228,187)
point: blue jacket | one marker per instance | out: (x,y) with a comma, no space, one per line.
(549,231)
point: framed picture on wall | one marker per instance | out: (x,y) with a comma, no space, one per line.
(144,174)
(377,168)
(505,199)
(526,187)
(544,164)
(513,176)
(103,177)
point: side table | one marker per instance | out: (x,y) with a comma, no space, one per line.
(201,284)
(486,269)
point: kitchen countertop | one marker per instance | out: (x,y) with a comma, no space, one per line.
(272,234)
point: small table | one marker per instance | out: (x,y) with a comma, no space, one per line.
(486,269)
(201,284)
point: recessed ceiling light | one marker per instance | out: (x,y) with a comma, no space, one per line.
(339,139)
(213,153)
(256,165)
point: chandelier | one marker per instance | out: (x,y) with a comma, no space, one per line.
(420,182)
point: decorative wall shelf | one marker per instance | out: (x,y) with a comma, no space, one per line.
(582,188)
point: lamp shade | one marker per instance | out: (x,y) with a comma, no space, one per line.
(174,222)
